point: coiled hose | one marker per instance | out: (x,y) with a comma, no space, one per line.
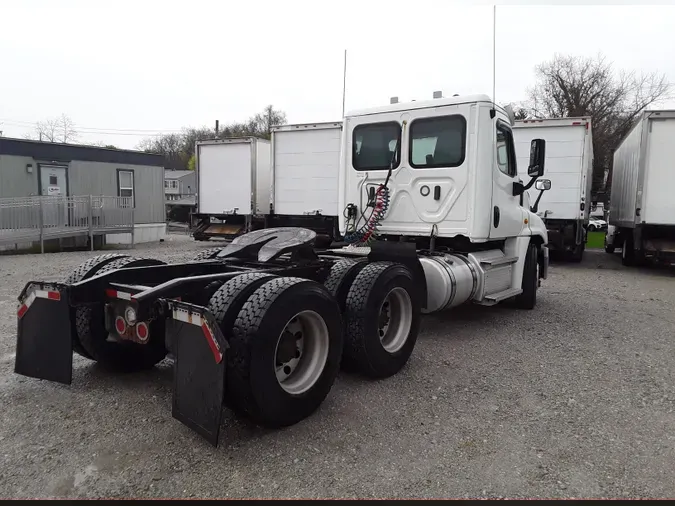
(367,231)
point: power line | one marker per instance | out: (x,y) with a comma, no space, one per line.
(96,130)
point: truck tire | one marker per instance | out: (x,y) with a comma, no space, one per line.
(528,298)
(340,279)
(124,356)
(382,319)
(84,271)
(577,254)
(609,248)
(207,254)
(628,252)
(286,348)
(225,305)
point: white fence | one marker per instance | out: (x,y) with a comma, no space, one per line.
(32,219)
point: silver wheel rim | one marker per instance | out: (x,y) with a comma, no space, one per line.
(301,352)
(395,320)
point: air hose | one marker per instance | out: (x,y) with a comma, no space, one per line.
(366,232)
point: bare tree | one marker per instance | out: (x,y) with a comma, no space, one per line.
(570,86)
(61,129)
(178,149)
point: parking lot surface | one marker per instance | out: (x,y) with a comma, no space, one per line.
(572,399)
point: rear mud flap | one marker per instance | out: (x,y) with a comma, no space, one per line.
(44,345)
(199,368)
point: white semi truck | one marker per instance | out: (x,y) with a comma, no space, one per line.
(642,203)
(428,197)
(569,166)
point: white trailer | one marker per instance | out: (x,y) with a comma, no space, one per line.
(305,168)
(642,207)
(233,186)
(569,166)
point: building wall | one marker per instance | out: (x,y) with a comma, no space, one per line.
(14,180)
(98,178)
(90,178)
(185,181)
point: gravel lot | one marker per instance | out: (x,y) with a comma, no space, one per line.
(572,399)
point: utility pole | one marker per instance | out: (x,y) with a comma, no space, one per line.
(217,123)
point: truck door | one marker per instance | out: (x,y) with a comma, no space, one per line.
(507,215)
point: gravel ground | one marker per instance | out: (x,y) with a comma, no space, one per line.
(572,399)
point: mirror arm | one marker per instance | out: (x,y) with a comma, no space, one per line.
(535,207)
(520,188)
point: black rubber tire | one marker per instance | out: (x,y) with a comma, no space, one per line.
(253,386)
(207,254)
(591,228)
(84,271)
(364,351)
(124,356)
(225,305)
(528,298)
(628,252)
(577,254)
(609,248)
(340,279)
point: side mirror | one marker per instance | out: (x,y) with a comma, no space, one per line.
(537,156)
(543,184)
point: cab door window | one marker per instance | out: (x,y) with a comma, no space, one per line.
(506,153)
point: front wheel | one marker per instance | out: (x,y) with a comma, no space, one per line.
(382,319)
(528,298)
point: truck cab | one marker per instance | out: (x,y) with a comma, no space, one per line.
(450,168)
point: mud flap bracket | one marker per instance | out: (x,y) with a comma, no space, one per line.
(199,368)
(44,344)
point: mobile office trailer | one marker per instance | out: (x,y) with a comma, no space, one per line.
(566,206)
(233,187)
(642,207)
(305,169)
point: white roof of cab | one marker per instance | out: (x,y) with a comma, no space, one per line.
(423,104)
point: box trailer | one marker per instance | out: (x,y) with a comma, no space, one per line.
(233,186)
(305,170)
(569,166)
(642,207)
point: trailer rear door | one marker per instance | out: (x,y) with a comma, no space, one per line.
(306,166)
(225,178)
(659,180)
(568,166)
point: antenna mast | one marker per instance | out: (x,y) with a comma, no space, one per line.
(494,55)
(344,84)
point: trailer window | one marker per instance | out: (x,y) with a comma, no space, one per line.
(506,153)
(125,186)
(437,142)
(376,146)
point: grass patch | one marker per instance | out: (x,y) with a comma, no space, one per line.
(595,240)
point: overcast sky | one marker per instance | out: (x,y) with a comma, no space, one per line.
(120,68)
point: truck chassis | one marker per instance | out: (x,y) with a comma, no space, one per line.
(261,325)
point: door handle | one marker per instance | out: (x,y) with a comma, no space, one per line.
(496,216)
(437,192)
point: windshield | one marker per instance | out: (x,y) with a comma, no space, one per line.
(376,146)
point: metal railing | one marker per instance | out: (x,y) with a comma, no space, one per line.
(32,219)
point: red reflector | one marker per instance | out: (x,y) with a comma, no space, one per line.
(211,339)
(111,293)
(120,325)
(22,310)
(142,331)
(577,123)
(54,295)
